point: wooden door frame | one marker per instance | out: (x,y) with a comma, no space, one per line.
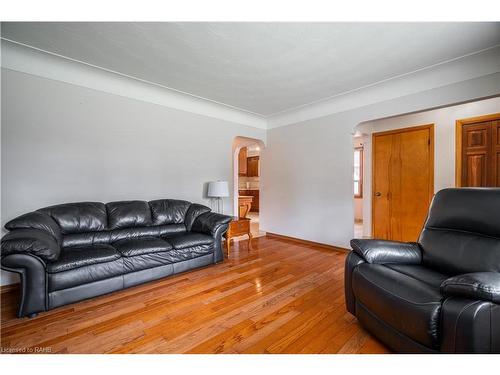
(429,126)
(458,141)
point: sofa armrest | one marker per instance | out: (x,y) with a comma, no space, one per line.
(381,251)
(32,272)
(31,241)
(209,222)
(479,285)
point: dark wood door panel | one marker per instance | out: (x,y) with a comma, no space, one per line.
(476,155)
(475,170)
(495,132)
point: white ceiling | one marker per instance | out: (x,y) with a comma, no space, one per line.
(264,68)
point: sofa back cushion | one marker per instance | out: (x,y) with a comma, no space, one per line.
(128,214)
(78,217)
(109,237)
(168,211)
(462,231)
(92,223)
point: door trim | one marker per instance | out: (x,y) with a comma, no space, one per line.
(458,141)
(431,160)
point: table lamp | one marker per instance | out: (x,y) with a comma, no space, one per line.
(218,190)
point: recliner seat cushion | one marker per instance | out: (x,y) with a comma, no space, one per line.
(191,239)
(407,304)
(421,273)
(71,258)
(141,246)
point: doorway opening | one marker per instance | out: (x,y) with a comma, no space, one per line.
(247,159)
(358,177)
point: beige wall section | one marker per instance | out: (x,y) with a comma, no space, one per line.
(444,147)
(65,143)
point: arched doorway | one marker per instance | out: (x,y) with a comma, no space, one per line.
(247,159)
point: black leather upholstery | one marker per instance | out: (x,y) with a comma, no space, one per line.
(31,241)
(479,285)
(78,217)
(76,257)
(191,239)
(405,303)
(380,251)
(73,251)
(168,211)
(192,213)
(441,294)
(209,222)
(128,214)
(36,220)
(141,246)
(462,231)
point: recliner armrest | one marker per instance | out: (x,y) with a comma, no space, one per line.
(382,251)
(478,285)
(209,222)
(31,241)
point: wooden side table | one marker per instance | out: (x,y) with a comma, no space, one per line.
(239,226)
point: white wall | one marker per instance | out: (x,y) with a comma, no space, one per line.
(65,143)
(307,189)
(444,143)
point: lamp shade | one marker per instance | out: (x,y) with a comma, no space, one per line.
(218,189)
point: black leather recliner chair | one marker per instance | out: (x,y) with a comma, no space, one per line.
(74,251)
(441,294)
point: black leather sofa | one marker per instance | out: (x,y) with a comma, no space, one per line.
(441,294)
(74,251)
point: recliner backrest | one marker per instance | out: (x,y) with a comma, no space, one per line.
(462,231)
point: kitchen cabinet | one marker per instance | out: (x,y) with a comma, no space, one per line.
(253,166)
(255,200)
(242,162)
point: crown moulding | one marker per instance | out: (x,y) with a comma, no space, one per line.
(37,62)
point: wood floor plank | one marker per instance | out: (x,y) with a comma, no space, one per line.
(279,297)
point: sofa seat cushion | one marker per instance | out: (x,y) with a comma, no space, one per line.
(151,260)
(141,246)
(409,305)
(75,257)
(192,239)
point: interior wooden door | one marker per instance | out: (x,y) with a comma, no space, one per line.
(478,151)
(477,170)
(403,182)
(495,136)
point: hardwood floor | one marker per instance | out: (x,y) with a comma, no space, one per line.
(281,297)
